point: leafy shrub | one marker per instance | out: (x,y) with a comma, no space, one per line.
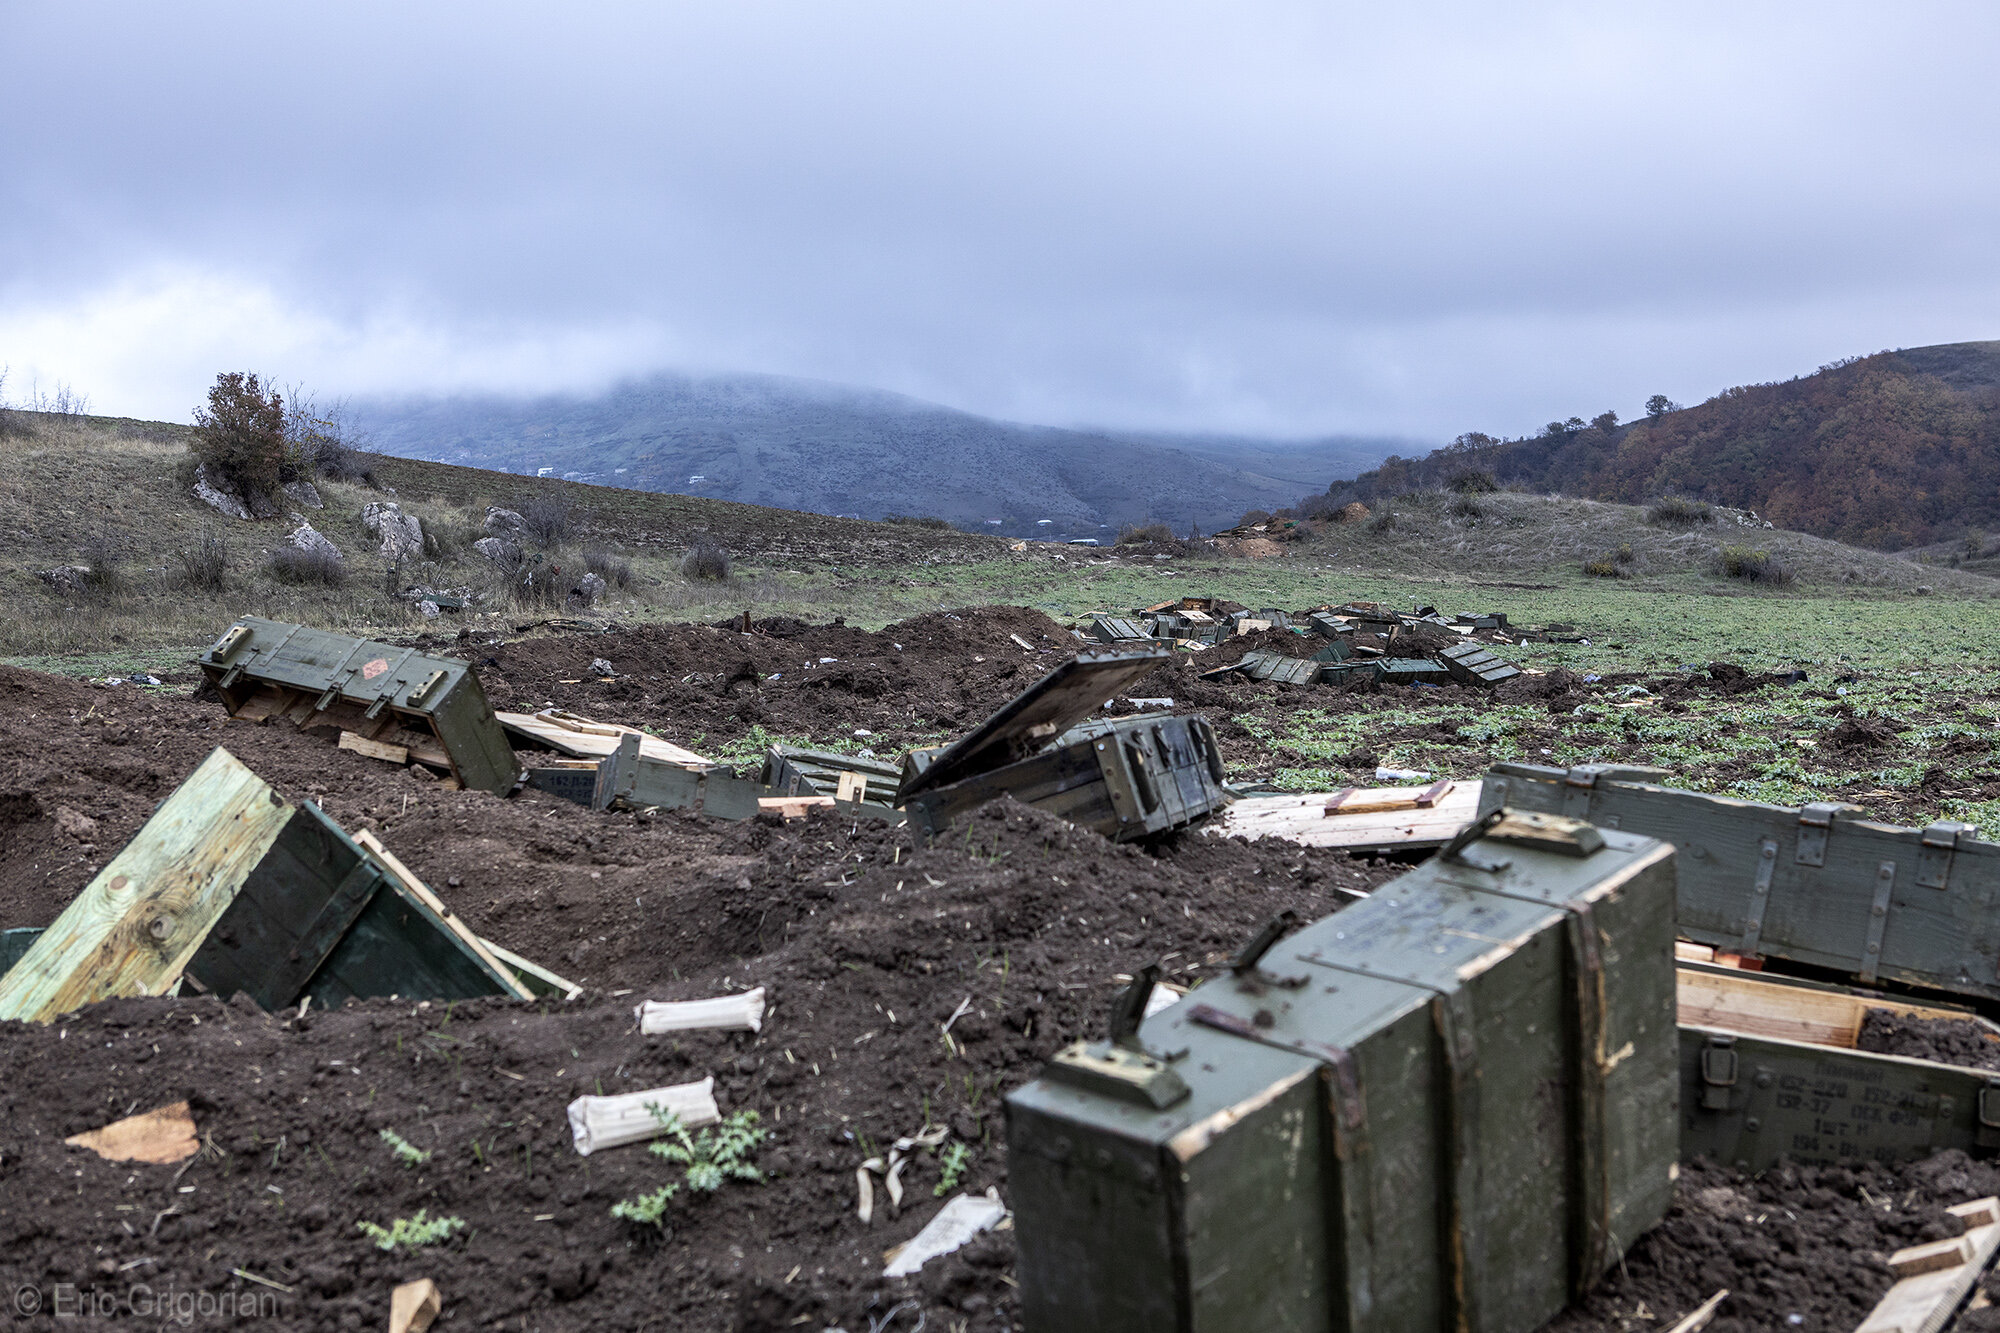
(1623,555)
(204,566)
(1604,567)
(240,436)
(288,564)
(951,1168)
(1755,566)
(715,1156)
(613,568)
(550,519)
(1466,507)
(917,521)
(646,1209)
(1474,482)
(705,560)
(407,1233)
(1146,534)
(1678,511)
(104,566)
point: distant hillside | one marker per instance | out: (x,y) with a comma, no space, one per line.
(829,449)
(1894,450)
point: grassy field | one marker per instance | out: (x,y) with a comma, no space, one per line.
(1915,645)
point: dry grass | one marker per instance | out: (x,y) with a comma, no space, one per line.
(1535,538)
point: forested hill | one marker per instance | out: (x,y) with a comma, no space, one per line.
(1892,450)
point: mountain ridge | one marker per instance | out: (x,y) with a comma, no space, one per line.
(834,449)
(1895,450)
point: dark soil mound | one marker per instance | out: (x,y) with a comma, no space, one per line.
(1950,1041)
(1861,733)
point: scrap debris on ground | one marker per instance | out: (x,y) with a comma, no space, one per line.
(908,983)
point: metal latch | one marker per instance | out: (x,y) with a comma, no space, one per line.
(1989,1115)
(1939,841)
(1122,1067)
(1815,822)
(1245,966)
(1718,1072)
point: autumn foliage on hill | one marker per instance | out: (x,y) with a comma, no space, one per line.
(1887,451)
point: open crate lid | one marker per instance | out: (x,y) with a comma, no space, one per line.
(1037,715)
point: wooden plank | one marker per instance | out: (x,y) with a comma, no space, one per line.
(1702,1315)
(1748,1004)
(533,975)
(851,787)
(161,1136)
(402,874)
(794,807)
(585,739)
(1938,1275)
(394,754)
(1307,819)
(135,926)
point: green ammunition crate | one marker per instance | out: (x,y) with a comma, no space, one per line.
(1340,650)
(1128,779)
(1448,1107)
(1116,629)
(1472,664)
(790,770)
(1816,885)
(1413,671)
(431,706)
(1769,1070)
(1284,670)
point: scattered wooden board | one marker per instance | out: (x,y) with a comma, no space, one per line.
(585,739)
(161,1136)
(394,754)
(413,1306)
(1935,1278)
(794,807)
(1358,823)
(1756,1007)
(134,927)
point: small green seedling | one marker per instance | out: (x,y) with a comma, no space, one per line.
(714,1156)
(407,1233)
(951,1167)
(408,1153)
(649,1209)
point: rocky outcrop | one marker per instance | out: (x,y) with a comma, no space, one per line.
(506,523)
(66,578)
(304,494)
(312,541)
(222,498)
(499,550)
(401,534)
(588,589)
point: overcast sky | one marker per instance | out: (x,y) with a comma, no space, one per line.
(1285,218)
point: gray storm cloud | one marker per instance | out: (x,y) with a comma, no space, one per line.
(1275,218)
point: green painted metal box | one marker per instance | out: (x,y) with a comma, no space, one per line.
(1130,778)
(1472,664)
(1816,885)
(1277,667)
(790,770)
(1449,1107)
(431,706)
(1412,671)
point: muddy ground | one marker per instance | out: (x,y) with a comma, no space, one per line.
(867,940)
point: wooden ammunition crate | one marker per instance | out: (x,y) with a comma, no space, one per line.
(1127,779)
(1770,1070)
(1816,885)
(1449,1107)
(1472,664)
(431,708)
